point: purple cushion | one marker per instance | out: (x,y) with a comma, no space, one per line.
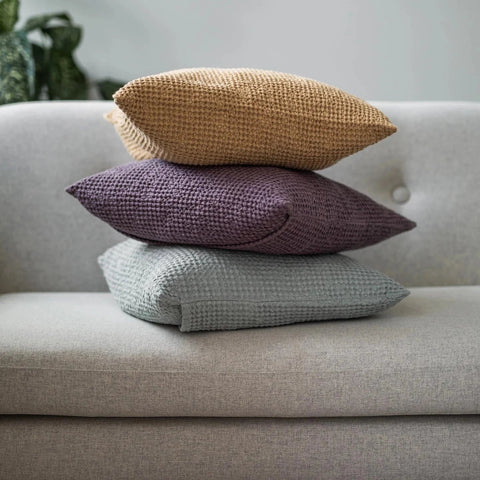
(262,209)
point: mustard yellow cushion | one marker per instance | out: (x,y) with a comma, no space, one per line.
(212,116)
(131,137)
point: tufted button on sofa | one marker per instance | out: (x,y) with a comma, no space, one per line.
(88,392)
(401,194)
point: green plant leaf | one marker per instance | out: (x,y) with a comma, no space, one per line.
(41,21)
(66,81)
(108,87)
(64,38)
(40,57)
(16,68)
(8,15)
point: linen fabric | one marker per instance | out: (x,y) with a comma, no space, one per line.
(209,289)
(393,448)
(420,357)
(261,209)
(212,116)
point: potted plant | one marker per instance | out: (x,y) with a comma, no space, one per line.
(32,70)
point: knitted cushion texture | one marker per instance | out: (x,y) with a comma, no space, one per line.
(262,209)
(132,138)
(212,116)
(210,289)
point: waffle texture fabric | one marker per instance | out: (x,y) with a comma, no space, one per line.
(262,209)
(132,138)
(209,289)
(213,116)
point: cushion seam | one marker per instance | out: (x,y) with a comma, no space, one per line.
(297,300)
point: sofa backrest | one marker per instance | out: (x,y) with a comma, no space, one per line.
(428,171)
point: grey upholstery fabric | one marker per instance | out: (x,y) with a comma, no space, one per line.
(49,242)
(436,155)
(46,241)
(79,354)
(388,448)
(211,289)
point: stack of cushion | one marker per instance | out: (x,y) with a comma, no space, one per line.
(230,228)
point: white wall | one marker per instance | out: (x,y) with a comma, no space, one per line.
(376,49)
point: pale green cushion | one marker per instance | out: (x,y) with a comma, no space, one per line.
(209,289)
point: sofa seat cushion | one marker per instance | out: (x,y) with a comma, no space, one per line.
(78,354)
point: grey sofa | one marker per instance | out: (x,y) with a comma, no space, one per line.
(88,392)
